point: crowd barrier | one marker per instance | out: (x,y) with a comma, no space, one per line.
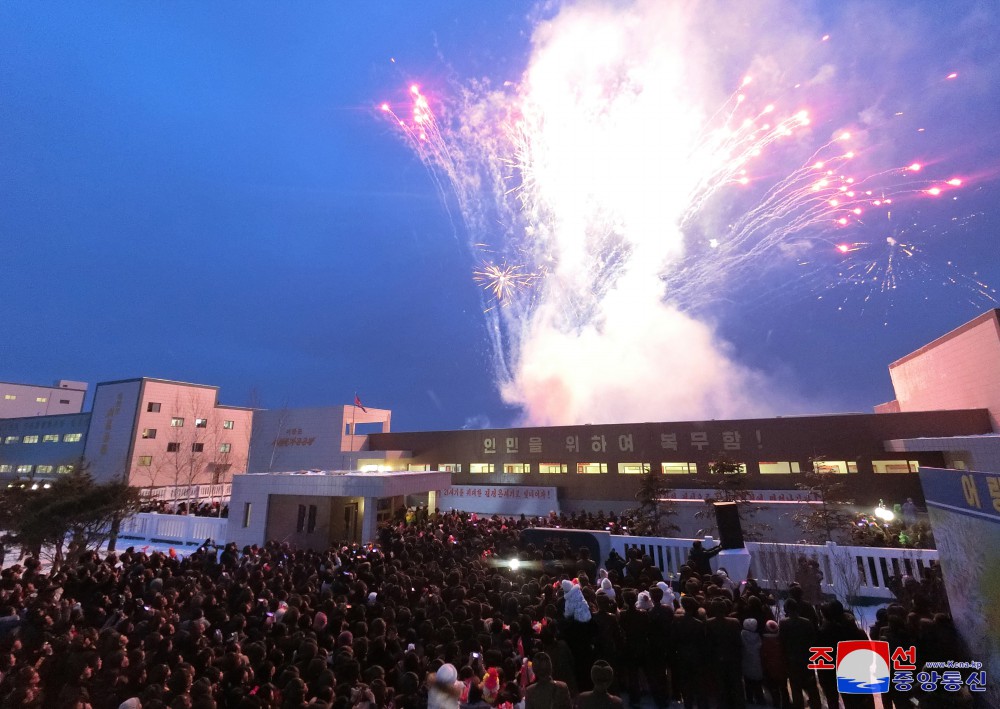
(861,572)
(183,493)
(180,530)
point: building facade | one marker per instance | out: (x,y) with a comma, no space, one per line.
(42,446)
(22,400)
(155,432)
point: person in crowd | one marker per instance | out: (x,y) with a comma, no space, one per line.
(546,692)
(601,675)
(797,635)
(699,557)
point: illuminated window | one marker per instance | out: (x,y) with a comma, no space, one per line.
(50,438)
(417,467)
(679,468)
(591,468)
(176,422)
(228,425)
(480,467)
(145,460)
(173,447)
(779,468)
(24,469)
(153,407)
(43,469)
(852,466)
(741,469)
(12,439)
(149,433)
(553,468)
(633,468)
(201,423)
(450,467)
(30,439)
(6,468)
(10,397)
(64,469)
(41,399)
(197,447)
(225,447)
(833,467)
(896,466)
(517,468)
(72,437)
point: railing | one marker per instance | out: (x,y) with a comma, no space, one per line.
(848,571)
(187,492)
(181,530)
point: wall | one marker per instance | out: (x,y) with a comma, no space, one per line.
(960,370)
(59,453)
(18,400)
(112,423)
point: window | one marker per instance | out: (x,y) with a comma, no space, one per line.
(225,447)
(679,468)
(896,466)
(591,468)
(197,447)
(30,439)
(6,468)
(517,468)
(633,468)
(417,467)
(779,468)
(311,523)
(12,439)
(149,433)
(176,422)
(50,438)
(43,469)
(741,469)
(64,469)
(228,425)
(173,447)
(72,437)
(450,467)
(24,468)
(145,460)
(153,407)
(833,467)
(553,468)
(64,401)
(201,423)
(10,397)
(247,509)
(300,522)
(481,467)
(42,399)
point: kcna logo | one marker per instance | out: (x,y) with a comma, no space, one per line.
(862,665)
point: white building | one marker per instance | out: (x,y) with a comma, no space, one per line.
(21,400)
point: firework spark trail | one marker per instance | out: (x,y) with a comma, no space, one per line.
(590,174)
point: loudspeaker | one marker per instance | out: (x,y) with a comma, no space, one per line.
(730,531)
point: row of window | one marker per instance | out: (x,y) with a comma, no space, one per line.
(40,469)
(47,438)
(178,421)
(837,467)
(38,399)
(145,460)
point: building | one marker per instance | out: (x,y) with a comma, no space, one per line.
(323,438)
(23,400)
(156,432)
(42,445)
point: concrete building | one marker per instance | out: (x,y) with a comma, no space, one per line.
(316,509)
(156,432)
(22,400)
(321,438)
(41,445)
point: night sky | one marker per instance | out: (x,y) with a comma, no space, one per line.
(209,193)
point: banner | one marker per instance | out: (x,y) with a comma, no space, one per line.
(509,500)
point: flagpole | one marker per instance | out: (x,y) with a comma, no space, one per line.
(354,411)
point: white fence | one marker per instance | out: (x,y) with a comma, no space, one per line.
(182,530)
(187,492)
(860,572)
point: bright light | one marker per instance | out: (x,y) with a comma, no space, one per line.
(934,191)
(884,514)
(843,248)
(915,167)
(955,182)
(515,564)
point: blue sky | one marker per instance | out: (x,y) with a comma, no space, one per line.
(208,193)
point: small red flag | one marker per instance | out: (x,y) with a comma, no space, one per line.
(357,402)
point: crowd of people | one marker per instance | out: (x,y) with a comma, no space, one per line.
(213,508)
(434,614)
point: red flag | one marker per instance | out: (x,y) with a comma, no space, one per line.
(357,402)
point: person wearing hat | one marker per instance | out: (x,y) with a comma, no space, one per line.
(602,675)
(443,688)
